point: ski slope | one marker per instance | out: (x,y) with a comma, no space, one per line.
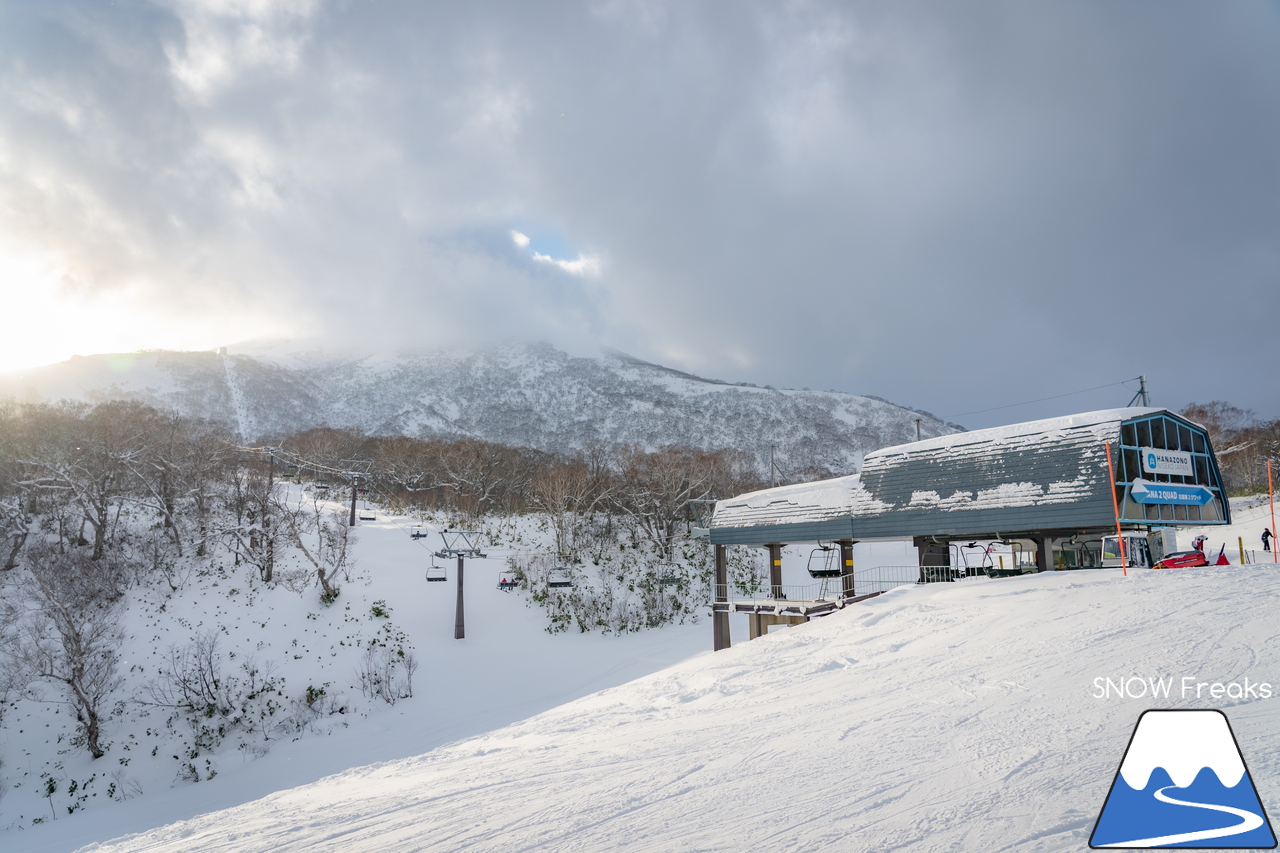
(946,717)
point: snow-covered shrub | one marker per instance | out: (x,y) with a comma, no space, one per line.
(212,702)
(386,670)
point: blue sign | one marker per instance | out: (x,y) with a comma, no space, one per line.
(1175,494)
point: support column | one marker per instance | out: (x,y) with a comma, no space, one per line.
(1043,546)
(846,567)
(720,621)
(775,570)
(459,622)
(355,482)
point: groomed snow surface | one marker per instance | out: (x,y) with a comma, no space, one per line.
(948,717)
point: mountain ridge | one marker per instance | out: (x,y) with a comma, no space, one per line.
(526,394)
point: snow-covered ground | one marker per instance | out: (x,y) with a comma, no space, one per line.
(948,717)
(507,669)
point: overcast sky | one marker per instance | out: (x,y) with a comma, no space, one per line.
(955,206)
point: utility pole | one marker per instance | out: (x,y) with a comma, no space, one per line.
(917,429)
(1142,392)
(773,469)
(355,482)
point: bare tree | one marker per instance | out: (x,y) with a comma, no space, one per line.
(87,456)
(70,634)
(258,530)
(323,537)
(571,493)
(15,516)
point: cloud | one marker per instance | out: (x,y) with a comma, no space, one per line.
(582,266)
(951,207)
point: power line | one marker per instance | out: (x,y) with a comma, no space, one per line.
(1042,399)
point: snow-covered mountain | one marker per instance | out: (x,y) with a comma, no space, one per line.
(520,394)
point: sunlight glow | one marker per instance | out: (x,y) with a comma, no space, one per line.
(55,323)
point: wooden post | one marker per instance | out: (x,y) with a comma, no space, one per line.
(459,622)
(1115,507)
(775,570)
(846,567)
(720,621)
(1240,542)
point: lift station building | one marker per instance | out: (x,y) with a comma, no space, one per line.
(1045,485)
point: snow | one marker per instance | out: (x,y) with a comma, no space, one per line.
(957,716)
(947,717)
(507,669)
(1001,435)
(814,501)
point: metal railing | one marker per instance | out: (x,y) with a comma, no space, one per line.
(861,582)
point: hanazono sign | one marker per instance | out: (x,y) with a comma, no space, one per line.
(1157,461)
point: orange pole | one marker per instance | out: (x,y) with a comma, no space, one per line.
(1271,493)
(1115,508)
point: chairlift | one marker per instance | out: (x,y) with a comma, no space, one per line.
(436,573)
(321,486)
(823,563)
(559,578)
(419,533)
(985,563)
(366,515)
(508,580)
(667,575)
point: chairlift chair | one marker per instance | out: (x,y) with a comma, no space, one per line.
(667,574)
(823,563)
(366,515)
(559,578)
(985,564)
(419,533)
(321,486)
(508,580)
(437,573)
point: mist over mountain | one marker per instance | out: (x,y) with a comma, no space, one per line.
(527,394)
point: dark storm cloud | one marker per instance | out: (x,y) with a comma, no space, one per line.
(952,206)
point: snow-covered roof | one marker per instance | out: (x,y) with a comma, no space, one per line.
(1002,434)
(1046,473)
(803,502)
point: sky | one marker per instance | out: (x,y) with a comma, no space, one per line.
(957,207)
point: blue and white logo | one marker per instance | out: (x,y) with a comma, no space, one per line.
(1152,464)
(1183,783)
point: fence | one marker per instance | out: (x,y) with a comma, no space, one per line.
(864,582)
